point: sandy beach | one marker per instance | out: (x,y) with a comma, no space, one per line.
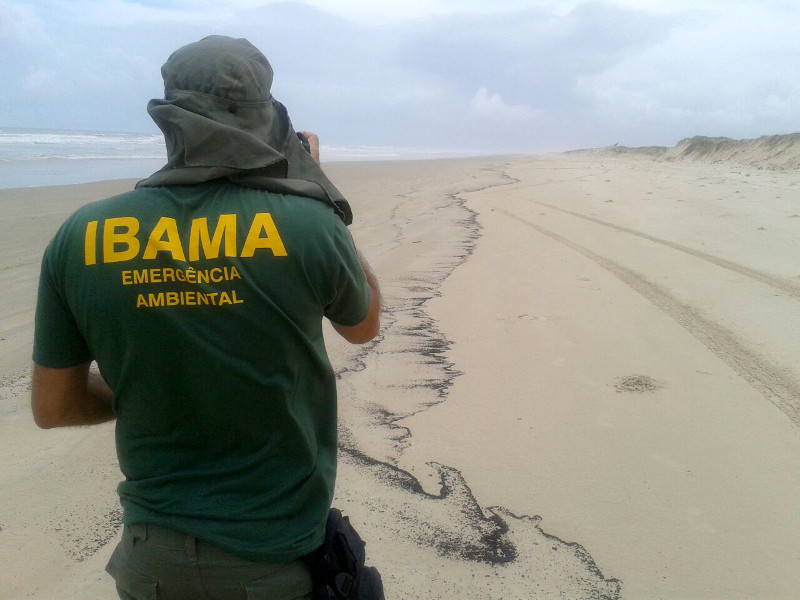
(586,385)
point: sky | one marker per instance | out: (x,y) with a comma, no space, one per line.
(481,76)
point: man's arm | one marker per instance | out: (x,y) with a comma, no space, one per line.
(70,396)
(313,144)
(371,325)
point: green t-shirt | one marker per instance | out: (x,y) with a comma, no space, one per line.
(203,308)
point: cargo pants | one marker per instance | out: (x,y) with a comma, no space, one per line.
(156,563)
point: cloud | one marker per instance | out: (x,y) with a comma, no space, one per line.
(23,34)
(513,74)
(492,108)
(115,13)
(20,23)
(28,48)
(531,56)
(730,71)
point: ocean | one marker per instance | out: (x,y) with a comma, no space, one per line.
(39,157)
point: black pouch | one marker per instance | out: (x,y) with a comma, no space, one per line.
(338,568)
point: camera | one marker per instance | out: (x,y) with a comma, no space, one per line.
(304,142)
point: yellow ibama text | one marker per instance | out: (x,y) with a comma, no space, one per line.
(121,240)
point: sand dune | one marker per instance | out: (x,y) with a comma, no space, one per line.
(586,385)
(774,152)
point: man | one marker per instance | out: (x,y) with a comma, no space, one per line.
(201,295)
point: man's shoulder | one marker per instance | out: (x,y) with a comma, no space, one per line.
(113,203)
(315,210)
(73,228)
(111,206)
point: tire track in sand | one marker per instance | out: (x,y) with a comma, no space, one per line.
(777,386)
(780,284)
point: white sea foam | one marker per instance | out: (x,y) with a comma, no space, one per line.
(33,157)
(22,144)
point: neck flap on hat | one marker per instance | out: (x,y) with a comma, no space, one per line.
(220,121)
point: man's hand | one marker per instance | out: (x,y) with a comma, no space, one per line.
(371,325)
(313,143)
(70,396)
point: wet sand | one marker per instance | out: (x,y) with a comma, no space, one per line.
(586,385)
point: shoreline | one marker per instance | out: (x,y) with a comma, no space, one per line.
(109,170)
(55,172)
